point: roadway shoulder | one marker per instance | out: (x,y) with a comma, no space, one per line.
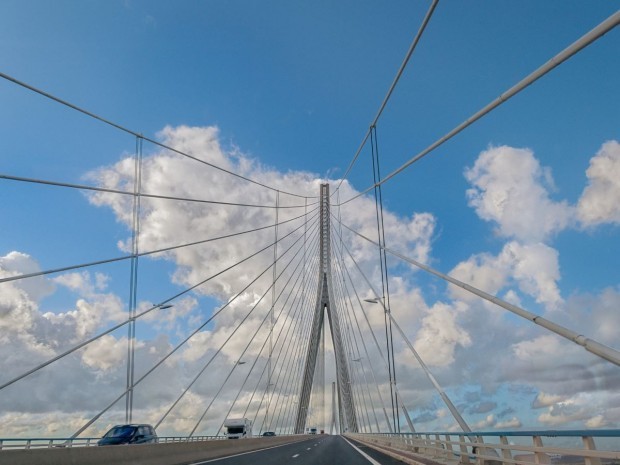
(398,454)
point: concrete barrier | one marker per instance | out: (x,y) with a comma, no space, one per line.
(143,454)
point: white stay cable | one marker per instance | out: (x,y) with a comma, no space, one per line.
(359,301)
(601,350)
(412,47)
(455,413)
(560,58)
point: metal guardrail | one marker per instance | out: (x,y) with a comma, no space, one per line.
(49,443)
(506,447)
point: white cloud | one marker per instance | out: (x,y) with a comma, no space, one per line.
(545,400)
(534,268)
(510,188)
(534,350)
(17,263)
(563,413)
(447,335)
(165,223)
(440,334)
(107,353)
(598,421)
(488,422)
(513,423)
(600,201)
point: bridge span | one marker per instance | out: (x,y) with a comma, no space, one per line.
(476,448)
(297,449)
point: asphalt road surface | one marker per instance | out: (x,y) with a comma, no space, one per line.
(322,450)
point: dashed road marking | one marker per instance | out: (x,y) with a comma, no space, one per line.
(295,456)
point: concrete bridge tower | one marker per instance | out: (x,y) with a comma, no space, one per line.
(325,305)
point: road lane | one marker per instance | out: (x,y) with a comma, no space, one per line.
(322,450)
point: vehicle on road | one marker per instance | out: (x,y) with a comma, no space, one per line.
(269,433)
(238,428)
(128,434)
(312,431)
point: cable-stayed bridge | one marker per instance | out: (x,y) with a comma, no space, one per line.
(302,337)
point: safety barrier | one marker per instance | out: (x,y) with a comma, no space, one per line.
(171,453)
(48,443)
(501,448)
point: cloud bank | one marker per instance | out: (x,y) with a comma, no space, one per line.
(510,190)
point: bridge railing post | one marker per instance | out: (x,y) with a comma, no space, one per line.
(506,454)
(464,452)
(539,455)
(411,442)
(588,444)
(449,453)
(438,447)
(424,445)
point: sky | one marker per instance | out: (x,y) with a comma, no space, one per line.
(524,204)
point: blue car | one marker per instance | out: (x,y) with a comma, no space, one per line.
(129,434)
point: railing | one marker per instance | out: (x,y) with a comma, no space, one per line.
(514,447)
(43,443)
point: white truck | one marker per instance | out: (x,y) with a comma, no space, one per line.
(238,428)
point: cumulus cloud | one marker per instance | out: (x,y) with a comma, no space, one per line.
(533,268)
(18,263)
(511,189)
(440,334)
(512,423)
(165,223)
(545,400)
(107,353)
(488,422)
(600,201)
(64,394)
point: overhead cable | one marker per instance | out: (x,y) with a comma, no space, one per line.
(442,393)
(340,257)
(557,60)
(142,194)
(346,296)
(142,254)
(136,134)
(139,315)
(292,319)
(178,346)
(402,405)
(412,47)
(601,350)
(254,307)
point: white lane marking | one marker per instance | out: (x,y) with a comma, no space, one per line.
(295,456)
(309,448)
(365,455)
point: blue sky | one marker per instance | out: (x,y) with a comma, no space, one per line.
(294,87)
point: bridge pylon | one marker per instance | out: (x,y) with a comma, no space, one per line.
(326,305)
